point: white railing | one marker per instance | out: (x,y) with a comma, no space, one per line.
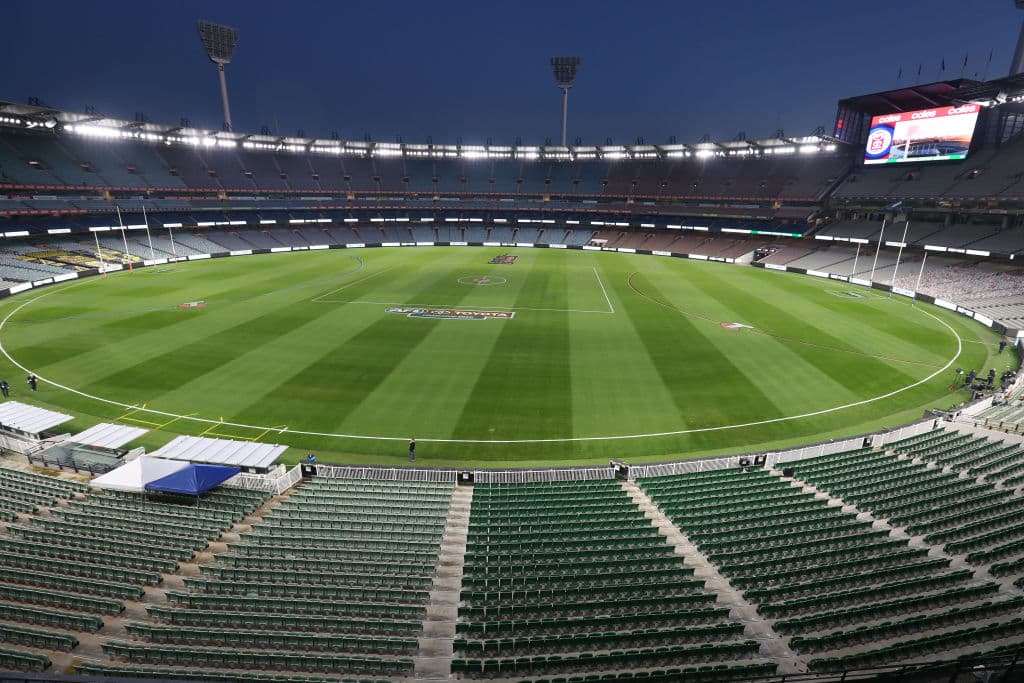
(977,407)
(290,479)
(684,467)
(878,439)
(815,451)
(385,473)
(26,445)
(252,482)
(907,432)
(541,476)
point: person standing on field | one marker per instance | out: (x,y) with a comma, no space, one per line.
(32,382)
(412,449)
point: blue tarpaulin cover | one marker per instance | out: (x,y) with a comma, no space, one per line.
(194,480)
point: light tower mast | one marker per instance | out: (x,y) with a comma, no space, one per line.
(564,69)
(220,42)
(1018,55)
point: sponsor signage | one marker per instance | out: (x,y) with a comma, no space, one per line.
(449,313)
(939,134)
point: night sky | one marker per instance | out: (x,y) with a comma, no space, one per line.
(478,70)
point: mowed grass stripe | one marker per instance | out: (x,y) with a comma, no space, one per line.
(527,366)
(714,389)
(335,382)
(428,390)
(255,397)
(609,359)
(814,316)
(783,371)
(853,376)
(85,347)
(901,333)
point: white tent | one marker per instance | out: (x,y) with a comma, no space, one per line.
(134,475)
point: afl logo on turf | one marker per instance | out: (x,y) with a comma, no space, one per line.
(879,142)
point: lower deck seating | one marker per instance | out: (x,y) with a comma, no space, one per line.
(334,581)
(571,577)
(69,557)
(829,581)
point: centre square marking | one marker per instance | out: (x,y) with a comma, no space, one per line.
(482,280)
(449,313)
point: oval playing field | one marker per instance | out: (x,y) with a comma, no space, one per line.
(488,356)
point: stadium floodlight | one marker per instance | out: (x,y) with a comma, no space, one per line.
(220,43)
(564,69)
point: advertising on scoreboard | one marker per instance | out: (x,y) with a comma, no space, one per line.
(939,134)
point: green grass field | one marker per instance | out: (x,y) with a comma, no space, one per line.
(300,349)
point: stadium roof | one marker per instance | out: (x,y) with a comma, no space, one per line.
(221,451)
(28,418)
(106,435)
(998,91)
(28,117)
(910,98)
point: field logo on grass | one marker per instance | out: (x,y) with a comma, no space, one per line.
(736,327)
(450,313)
(503,260)
(847,293)
(482,280)
(193,304)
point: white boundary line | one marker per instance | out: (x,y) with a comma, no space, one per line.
(620,437)
(611,309)
(320,298)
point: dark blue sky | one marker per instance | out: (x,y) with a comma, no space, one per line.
(478,70)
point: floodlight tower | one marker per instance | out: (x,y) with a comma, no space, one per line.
(1018,55)
(219,42)
(564,69)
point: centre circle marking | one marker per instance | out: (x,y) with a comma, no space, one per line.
(482,280)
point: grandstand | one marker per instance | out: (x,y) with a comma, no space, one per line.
(901,554)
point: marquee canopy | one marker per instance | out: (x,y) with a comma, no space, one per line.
(134,476)
(193,480)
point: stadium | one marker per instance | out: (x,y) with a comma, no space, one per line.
(325,410)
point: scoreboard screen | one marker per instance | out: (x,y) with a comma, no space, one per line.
(939,134)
